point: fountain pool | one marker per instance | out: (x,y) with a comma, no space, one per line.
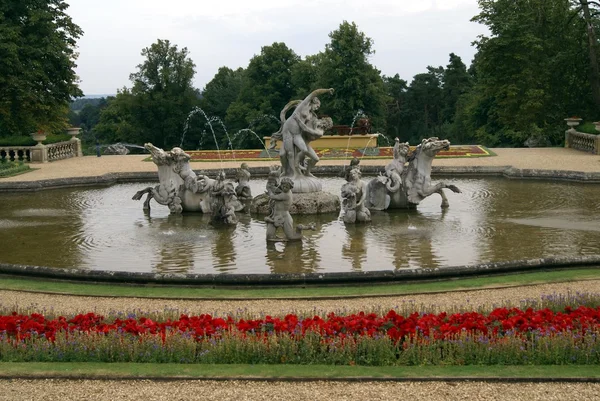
(493,220)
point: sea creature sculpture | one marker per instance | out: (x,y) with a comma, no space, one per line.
(405,186)
(180,188)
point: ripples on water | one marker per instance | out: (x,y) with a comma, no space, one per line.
(492,220)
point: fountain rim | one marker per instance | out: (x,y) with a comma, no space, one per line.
(406,275)
(455,171)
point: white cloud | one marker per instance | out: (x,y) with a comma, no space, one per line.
(408,34)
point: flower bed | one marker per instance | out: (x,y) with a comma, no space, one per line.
(502,336)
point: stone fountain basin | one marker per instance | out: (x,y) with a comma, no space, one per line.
(495,221)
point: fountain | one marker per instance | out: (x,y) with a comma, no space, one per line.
(183,191)
(404,188)
(298,158)
(496,220)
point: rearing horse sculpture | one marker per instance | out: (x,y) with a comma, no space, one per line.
(405,189)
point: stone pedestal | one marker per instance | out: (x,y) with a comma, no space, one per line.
(39,153)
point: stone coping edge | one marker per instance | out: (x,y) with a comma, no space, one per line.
(297,279)
(299,379)
(114,178)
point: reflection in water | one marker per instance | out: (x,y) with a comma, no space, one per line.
(492,220)
(291,257)
(354,248)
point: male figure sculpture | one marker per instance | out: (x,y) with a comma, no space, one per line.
(280,216)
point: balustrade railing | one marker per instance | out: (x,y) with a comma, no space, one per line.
(41,153)
(15,153)
(62,150)
(581,140)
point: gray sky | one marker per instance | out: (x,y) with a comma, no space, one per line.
(408,35)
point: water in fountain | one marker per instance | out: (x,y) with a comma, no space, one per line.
(263,117)
(367,145)
(186,126)
(387,140)
(209,121)
(217,119)
(246,130)
(359,113)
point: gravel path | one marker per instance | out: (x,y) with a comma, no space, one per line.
(535,158)
(65,304)
(77,390)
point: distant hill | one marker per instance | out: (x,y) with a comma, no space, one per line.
(94,100)
(97,96)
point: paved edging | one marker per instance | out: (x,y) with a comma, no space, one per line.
(302,279)
(501,171)
(292,379)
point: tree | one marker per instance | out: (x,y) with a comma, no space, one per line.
(37,61)
(424,104)
(221,91)
(455,82)
(395,90)
(344,66)
(266,89)
(531,71)
(594,69)
(159,102)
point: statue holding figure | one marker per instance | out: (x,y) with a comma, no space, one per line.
(179,187)
(405,186)
(280,215)
(242,190)
(354,194)
(302,127)
(224,201)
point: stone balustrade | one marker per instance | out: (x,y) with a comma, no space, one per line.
(15,153)
(42,153)
(581,140)
(63,150)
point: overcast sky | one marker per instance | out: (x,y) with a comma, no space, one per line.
(408,35)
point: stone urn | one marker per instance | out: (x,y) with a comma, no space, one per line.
(39,137)
(573,122)
(73,131)
(597,125)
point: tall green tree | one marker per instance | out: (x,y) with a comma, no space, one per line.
(424,104)
(159,102)
(221,91)
(267,87)
(532,70)
(37,61)
(395,90)
(345,66)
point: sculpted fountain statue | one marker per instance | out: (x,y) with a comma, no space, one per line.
(302,127)
(242,190)
(298,158)
(354,194)
(281,200)
(183,191)
(402,186)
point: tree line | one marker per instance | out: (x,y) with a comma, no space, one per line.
(537,65)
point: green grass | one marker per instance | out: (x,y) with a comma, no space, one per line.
(9,169)
(89,289)
(139,370)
